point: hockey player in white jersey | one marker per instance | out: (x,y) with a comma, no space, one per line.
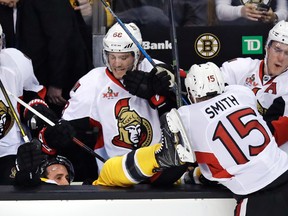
(268,79)
(108,98)
(233,144)
(17,76)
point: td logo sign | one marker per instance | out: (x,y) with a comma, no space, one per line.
(252,45)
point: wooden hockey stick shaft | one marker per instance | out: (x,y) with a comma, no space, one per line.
(49,122)
(22,131)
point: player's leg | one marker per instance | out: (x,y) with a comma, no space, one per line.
(132,168)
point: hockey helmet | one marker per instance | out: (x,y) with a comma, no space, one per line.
(203,80)
(278,33)
(50,160)
(117,40)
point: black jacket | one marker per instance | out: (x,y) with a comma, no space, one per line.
(51,34)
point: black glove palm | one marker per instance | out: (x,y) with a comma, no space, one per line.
(60,135)
(29,156)
(145,85)
(139,83)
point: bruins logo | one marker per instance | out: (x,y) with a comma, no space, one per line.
(6,120)
(207,45)
(134,130)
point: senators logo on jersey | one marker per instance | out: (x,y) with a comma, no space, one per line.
(6,120)
(134,130)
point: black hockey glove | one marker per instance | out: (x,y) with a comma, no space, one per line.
(33,121)
(29,157)
(195,176)
(163,80)
(139,83)
(145,85)
(58,136)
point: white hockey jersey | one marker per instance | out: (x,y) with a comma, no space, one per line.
(125,121)
(16,74)
(249,72)
(269,91)
(232,142)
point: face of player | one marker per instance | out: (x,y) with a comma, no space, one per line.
(277,58)
(58,173)
(120,63)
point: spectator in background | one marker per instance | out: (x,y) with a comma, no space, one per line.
(8,21)
(50,34)
(240,12)
(156,12)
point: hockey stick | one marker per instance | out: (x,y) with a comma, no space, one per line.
(49,122)
(175,54)
(142,50)
(24,135)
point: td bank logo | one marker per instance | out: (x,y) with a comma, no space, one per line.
(252,45)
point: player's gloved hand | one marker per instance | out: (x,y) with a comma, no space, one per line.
(29,157)
(164,79)
(139,83)
(145,85)
(58,136)
(33,121)
(194,176)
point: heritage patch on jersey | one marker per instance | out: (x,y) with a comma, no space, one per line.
(250,81)
(134,130)
(110,94)
(6,119)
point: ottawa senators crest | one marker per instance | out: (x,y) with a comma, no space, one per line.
(134,130)
(6,119)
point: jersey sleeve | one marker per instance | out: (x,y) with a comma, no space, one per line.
(22,66)
(234,70)
(81,100)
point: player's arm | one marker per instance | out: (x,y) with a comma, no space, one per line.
(155,86)
(276,121)
(54,137)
